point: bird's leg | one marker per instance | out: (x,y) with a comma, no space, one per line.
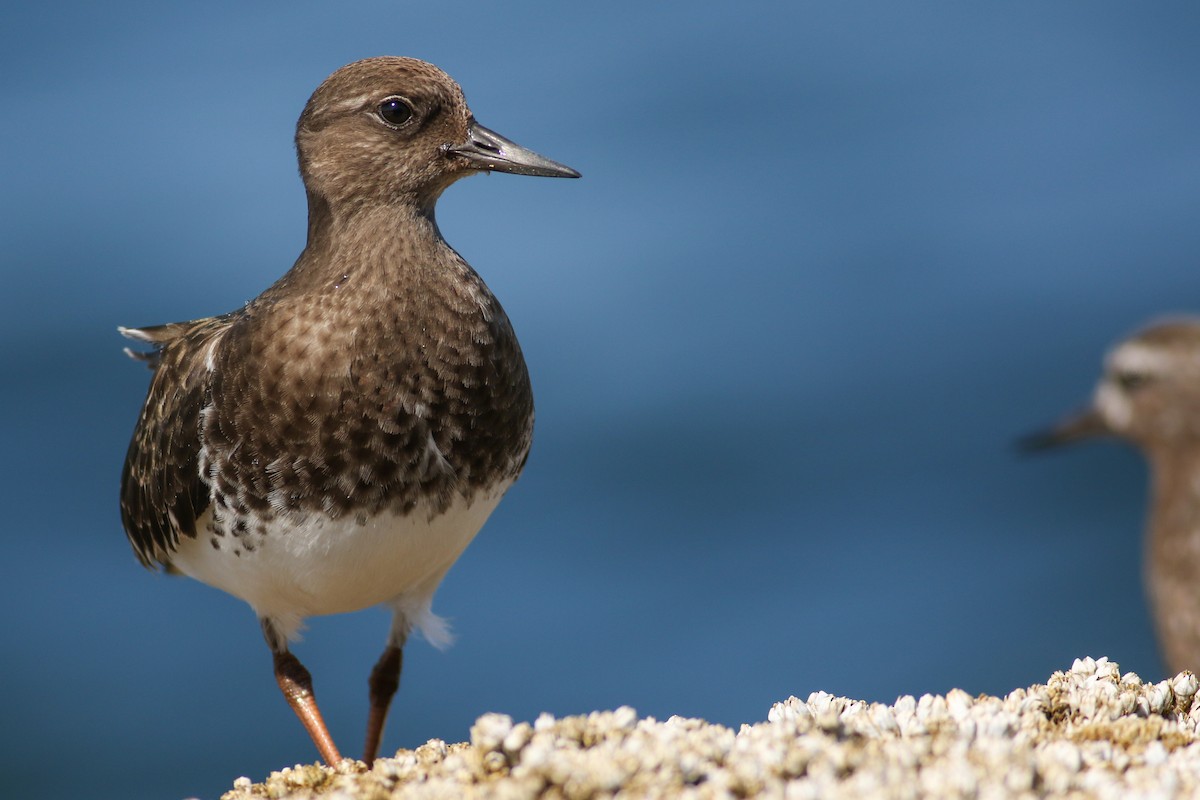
(384,681)
(296,684)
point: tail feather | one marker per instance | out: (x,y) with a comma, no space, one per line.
(157,335)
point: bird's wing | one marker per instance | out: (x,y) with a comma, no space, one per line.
(162,491)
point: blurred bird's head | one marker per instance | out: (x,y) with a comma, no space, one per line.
(1149,393)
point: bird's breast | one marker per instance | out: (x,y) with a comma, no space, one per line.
(345,410)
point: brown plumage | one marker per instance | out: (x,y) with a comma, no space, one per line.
(1150,396)
(338,441)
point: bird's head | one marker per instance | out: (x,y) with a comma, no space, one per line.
(396,130)
(1149,393)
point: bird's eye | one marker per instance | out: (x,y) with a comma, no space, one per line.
(1131,381)
(395,111)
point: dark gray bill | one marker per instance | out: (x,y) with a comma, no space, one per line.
(488,150)
(1086,424)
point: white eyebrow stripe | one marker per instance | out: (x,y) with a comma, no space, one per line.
(1140,358)
(351,103)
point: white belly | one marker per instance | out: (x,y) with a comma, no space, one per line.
(313,566)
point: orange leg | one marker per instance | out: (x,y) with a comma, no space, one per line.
(385,680)
(296,684)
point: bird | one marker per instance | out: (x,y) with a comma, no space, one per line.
(1149,396)
(338,441)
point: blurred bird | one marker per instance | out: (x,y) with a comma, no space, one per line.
(1149,395)
(338,441)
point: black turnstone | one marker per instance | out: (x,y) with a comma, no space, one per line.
(338,441)
(1149,396)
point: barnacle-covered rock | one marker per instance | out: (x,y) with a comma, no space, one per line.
(1089,732)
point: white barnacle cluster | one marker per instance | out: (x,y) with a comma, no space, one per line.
(1088,732)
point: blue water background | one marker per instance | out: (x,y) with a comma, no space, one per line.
(826,261)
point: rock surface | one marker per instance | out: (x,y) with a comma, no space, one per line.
(1089,732)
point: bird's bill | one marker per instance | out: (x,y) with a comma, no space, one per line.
(488,150)
(1085,424)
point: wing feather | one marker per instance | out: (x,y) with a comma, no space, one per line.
(162,491)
